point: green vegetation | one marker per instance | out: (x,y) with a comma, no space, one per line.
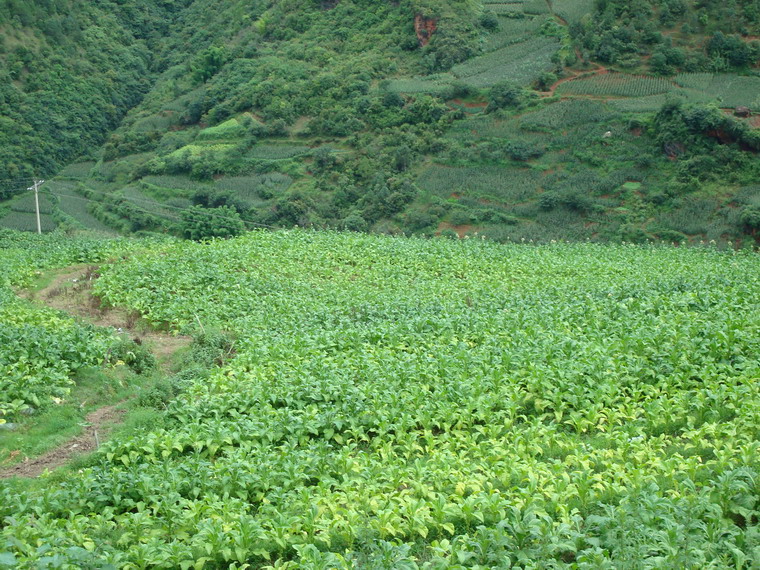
(41,350)
(69,71)
(334,114)
(386,402)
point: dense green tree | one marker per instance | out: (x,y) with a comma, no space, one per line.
(199,223)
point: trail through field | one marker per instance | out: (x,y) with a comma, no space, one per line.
(98,425)
(71,291)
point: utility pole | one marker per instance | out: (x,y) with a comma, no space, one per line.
(37,184)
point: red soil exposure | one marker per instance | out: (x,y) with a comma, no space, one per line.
(461,231)
(424,28)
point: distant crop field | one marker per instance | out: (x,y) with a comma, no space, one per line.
(278,151)
(566,113)
(512,30)
(75,206)
(142,202)
(729,89)
(175,182)
(230,129)
(572,10)
(538,7)
(650,103)
(27,222)
(77,170)
(508,185)
(520,63)
(157,122)
(252,186)
(25,203)
(431,84)
(617,84)
(197,149)
(485,126)
(505,7)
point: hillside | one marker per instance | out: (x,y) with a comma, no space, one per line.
(395,403)
(528,120)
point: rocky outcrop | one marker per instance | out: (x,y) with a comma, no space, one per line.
(424,28)
(742,112)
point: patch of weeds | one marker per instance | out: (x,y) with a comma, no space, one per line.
(134,355)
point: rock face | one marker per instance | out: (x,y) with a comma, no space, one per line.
(742,112)
(424,28)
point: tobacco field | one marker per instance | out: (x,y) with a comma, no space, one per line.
(415,403)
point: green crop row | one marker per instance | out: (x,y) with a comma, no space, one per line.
(617,84)
(520,63)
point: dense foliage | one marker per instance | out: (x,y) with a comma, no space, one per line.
(344,114)
(69,71)
(408,403)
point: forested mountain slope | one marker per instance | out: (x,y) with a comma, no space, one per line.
(526,119)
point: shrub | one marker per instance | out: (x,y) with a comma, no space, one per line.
(750,217)
(199,223)
(504,95)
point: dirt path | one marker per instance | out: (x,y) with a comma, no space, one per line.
(98,425)
(71,291)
